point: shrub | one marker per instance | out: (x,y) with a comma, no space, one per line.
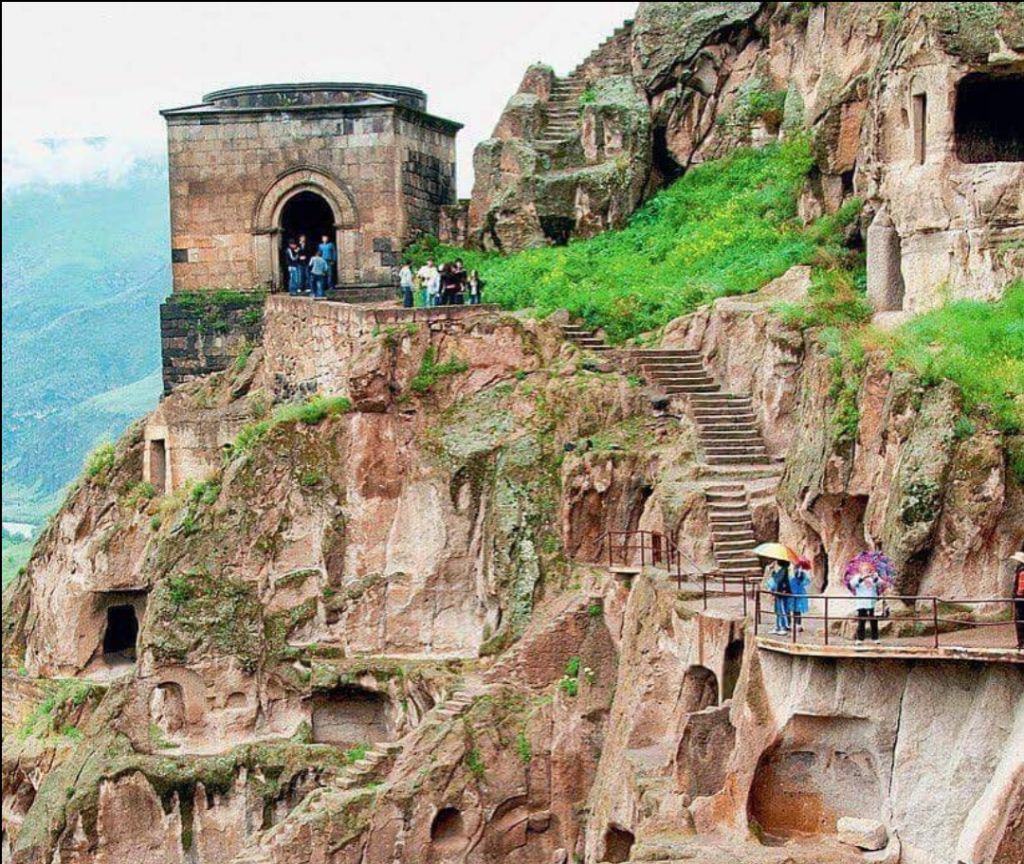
(430,371)
(475,763)
(100,461)
(978,346)
(524,748)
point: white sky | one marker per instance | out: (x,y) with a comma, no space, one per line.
(81,70)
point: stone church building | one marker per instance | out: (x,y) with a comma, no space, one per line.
(251,167)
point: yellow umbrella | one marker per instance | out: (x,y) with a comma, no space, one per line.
(777,551)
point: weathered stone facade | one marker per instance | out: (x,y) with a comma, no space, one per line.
(197,339)
(252,166)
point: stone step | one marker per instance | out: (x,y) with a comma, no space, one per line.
(691,388)
(737,460)
(718,417)
(677,381)
(741,436)
(665,352)
(728,447)
(722,399)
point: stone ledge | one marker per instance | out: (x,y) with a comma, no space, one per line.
(893,652)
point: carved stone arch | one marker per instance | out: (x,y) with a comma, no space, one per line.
(266,222)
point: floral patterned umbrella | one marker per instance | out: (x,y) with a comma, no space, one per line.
(877,562)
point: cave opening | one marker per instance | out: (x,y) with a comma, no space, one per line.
(731,667)
(618,845)
(558,229)
(448,830)
(120,634)
(665,166)
(350,715)
(987,127)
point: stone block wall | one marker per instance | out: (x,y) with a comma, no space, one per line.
(198,338)
(384,170)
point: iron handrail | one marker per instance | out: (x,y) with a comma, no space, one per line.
(655,548)
(933,613)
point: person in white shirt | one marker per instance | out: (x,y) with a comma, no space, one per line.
(405,282)
(430,282)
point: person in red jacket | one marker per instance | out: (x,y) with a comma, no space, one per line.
(1018,598)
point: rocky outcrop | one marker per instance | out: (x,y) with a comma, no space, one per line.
(884,93)
(880,465)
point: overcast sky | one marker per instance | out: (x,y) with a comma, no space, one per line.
(80,71)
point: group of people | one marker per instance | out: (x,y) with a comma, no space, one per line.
(447,285)
(310,272)
(790,584)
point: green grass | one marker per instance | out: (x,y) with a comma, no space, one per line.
(726,227)
(979,347)
(311,412)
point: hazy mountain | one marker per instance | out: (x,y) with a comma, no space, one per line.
(85,267)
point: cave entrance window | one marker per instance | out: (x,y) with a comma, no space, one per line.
(920,118)
(308,215)
(158,465)
(618,845)
(731,668)
(448,830)
(988,120)
(350,715)
(121,634)
(558,229)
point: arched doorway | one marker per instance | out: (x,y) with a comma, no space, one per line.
(307,194)
(306,215)
(121,633)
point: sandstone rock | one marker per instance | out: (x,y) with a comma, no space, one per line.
(868,834)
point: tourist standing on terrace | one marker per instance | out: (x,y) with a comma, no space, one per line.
(867,587)
(406,283)
(799,583)
(778,584)
(1018,598)
(429,282)
(291,256)
(475,287)
(318,269)
(329,253)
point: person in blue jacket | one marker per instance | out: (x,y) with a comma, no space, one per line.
(778,584)
(799,587)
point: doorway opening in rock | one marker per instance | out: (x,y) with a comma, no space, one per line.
(618,845)
(448,830)
(664,164)
(919,106)
(819,769)
(558,229)
(700,689)
(158,465)
(306,215)
(731,667)
(350,715)
(986,126)
(121,634)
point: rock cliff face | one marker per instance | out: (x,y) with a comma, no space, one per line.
(377,628)
(901,104)
(351,601)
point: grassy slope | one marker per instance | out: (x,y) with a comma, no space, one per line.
(727,227)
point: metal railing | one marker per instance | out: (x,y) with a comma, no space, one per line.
(648,548)
(730,586)
(924,615)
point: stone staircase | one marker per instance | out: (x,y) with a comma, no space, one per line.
(726,424)
(584,338)
(732,531)
(611,57)
(563,112)
(365,770)
(729,438)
